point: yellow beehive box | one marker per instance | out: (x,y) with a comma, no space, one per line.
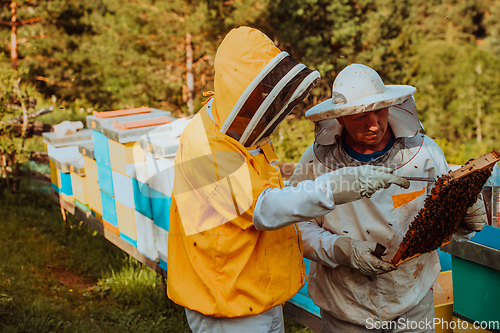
(79,187)
(126,223)
(67,198)
(53,174)
(122,154)
(94,197)
(443,302)
(90,168)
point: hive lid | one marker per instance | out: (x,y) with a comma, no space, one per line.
(97,122)
(80,137)
(65,164)
(87,149)
(160,143)
(77,166)
(133,134)
(163,142)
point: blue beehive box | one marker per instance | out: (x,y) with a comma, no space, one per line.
(160,206)
(109,212)
(101,153)
(476,263)
(105,178)
(302,298)
(142,198)
(101,148)
(66,186)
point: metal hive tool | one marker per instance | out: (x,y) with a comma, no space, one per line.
(445,208)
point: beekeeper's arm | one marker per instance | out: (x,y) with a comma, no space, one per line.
(307,199)
(333,250)
(277,208)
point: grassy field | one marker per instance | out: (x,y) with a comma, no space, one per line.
(76,281)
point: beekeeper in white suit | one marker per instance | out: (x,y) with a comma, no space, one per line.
(369,123)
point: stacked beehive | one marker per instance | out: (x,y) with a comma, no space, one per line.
(120,170)
(160,146)
(115,134)
(66,163)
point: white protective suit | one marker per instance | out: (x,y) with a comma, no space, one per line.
(343,291)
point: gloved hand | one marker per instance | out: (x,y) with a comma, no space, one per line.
(475,217)
(352,183)
(474,220)
(358,254)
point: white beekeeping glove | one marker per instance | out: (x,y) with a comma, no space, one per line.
(353,183)
(359,255)
(474,220)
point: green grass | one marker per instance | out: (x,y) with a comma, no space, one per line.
(53,281)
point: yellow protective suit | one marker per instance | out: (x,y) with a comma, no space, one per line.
(219,264)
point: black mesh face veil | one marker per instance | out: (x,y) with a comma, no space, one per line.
(286,85)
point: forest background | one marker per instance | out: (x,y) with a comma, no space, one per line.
(84,55)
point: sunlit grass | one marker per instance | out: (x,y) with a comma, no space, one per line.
(53,281)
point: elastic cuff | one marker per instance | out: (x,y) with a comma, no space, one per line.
(342,250)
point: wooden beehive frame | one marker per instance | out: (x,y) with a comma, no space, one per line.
(481,163)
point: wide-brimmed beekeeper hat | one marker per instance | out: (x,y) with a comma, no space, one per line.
(356,89)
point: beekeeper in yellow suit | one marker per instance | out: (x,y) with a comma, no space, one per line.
(369,123)
(235,254)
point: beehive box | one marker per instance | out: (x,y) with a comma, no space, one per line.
(116,134)
(302,298)
(101,153)
(54,179)
(443,302)
(109,217)
(126,223)
(61,151)
(476,277)
(79,183)
(445,208)
(146,242)
(66,189)
(94,197)
(123,154)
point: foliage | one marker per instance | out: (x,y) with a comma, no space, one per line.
(457,99)
(291,139)
(13,149)
(108,54)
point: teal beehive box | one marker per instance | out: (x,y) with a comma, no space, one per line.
(142,198)
(110,220)
(476,277)
(66,185)
(101,154)
(160,180)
